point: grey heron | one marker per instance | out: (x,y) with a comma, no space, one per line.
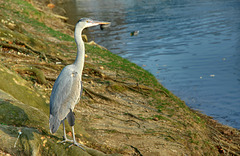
(67,88)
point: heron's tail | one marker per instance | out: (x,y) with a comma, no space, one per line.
(54,123)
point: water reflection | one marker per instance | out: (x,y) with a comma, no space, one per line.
(192,47)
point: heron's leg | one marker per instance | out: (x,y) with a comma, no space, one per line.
(65,139)
(71,121)
(74,140)
(64,131)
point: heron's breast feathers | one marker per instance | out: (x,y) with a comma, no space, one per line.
(66,93)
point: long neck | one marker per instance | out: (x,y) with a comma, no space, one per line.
(79,62)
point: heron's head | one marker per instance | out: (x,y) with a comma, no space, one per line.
(86,22)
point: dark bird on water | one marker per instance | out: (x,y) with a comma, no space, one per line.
(134,33)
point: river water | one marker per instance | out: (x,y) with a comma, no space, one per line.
(191,46)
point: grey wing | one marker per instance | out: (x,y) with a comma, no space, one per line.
(65,93)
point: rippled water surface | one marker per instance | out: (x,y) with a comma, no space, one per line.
(191,46)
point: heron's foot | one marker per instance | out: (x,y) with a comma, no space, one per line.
(78,145)
(73,143)
(65,140)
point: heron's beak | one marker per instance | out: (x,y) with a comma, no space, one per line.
(101,22)
(95,23)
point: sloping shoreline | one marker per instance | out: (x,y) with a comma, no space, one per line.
(123,110)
